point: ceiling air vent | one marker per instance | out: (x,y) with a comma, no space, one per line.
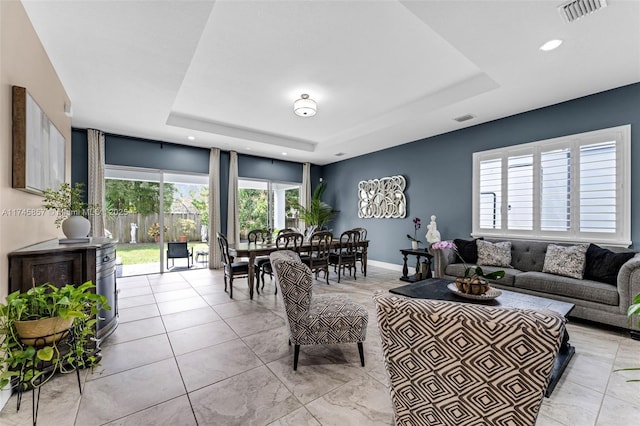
(463,118)
(576,9)
(340,154)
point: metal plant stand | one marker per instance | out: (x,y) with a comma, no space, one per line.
(68,338)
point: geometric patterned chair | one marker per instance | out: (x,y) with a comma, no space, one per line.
(455,363)
(316,320)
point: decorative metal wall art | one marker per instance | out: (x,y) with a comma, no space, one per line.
(382,197)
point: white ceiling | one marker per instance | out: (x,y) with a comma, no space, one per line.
(383,72)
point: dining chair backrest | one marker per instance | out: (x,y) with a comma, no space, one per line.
(349,242)
(362,232)
(289,241)
(286,230)
(258,236)
(320,245)
(224,249)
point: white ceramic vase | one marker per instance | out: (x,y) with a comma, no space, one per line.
(414,245)
(76,226)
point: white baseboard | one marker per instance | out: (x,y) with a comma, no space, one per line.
(390,266)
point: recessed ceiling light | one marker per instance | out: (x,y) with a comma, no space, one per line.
(550,45)
(191,138)
(284,153)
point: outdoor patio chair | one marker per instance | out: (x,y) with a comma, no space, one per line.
(179,251)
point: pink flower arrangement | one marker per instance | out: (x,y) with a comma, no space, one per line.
(444,245)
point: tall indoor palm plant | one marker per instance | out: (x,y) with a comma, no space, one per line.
(319,213)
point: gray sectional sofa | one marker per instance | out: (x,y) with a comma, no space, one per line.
(594,300)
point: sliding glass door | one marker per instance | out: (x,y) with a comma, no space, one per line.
(149,209)
(264,204)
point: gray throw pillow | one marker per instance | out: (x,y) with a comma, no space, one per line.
(565,261)
(494,254)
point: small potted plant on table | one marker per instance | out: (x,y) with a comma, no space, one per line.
(415,242)
(71,209)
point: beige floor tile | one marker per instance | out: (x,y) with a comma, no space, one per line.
(135,330)
(200,336)
(130,302)
(128,392)
(175,412)
(255,322)
(186,319)
(215,363)
(134,291)
(300,417)
(255,397)
(616,412)
(363,401)
(173,286)
(270,345)
(167,296)
(181,305)
(138,313)
(128,355)
(572,404)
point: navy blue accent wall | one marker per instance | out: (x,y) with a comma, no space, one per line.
(79,155)
(134,152)
(438,169)
(250,166)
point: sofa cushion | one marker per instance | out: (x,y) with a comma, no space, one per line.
(467,250)
(494,254)
(604,265)
(457,270)
(592,291)
(566,261)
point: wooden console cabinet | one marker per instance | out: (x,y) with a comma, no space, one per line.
(60,264)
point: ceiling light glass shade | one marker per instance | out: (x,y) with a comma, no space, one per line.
(305,107)
(550,45)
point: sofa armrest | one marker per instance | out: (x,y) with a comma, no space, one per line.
(629,285)
(442,258)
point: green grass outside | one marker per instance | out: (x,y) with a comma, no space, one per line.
(135,254)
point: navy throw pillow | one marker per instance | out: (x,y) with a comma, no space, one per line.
(603,265)
(467,249)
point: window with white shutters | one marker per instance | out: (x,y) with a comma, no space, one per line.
(574,188)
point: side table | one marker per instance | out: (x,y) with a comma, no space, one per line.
(418,253)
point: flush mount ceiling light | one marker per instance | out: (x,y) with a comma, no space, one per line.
(305,107)
(550,45)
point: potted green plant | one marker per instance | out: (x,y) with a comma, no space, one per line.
(33,357)
(68,202)
(318,214)
(186,227)
(154,231)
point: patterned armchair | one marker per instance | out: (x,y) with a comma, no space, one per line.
(463,364)
(316,320)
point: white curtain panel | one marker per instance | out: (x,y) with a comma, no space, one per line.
(96,189)
(214,208)
(233,220)
(305,192)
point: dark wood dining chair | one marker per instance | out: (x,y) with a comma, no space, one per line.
(259,236)
(319,251)
(231,269)
(177,250)
(361,253)
(344,256)
(287,239)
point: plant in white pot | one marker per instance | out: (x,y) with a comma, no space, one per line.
(67,201)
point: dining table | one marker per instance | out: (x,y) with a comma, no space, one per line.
(253,250)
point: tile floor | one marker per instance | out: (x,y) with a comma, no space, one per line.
(185,354)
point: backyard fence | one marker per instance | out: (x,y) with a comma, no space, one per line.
(120,227)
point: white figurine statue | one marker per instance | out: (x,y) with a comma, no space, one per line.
(134,228)
(433,235)
(203,233)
